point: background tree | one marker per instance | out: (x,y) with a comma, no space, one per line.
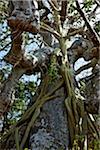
(49,108)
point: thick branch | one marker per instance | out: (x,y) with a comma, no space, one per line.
(63,12)
(27,64)
(7,89)
(15,52)
(22,19)
(24,16)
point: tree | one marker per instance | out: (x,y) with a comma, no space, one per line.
(58,113)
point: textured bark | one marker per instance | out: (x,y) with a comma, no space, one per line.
(63,12)
(51,129)
(26,65)
(93,93)
(24,15)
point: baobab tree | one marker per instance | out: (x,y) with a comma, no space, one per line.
(60,112)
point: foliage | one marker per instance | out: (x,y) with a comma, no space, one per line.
(52,70)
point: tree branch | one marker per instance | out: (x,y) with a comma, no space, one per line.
(27,64)
(63,12)
(17,139)
(97,2)
(95,38)
(54,4)
(24,16)
(7,88)
(50,30)
(87,66)
(74,32)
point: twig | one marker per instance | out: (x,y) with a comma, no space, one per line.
(93,11)
(97,2)
(5,37)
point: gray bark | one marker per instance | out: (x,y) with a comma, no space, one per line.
(50,131)
(93,93)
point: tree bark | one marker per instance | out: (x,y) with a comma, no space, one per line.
(51,129)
